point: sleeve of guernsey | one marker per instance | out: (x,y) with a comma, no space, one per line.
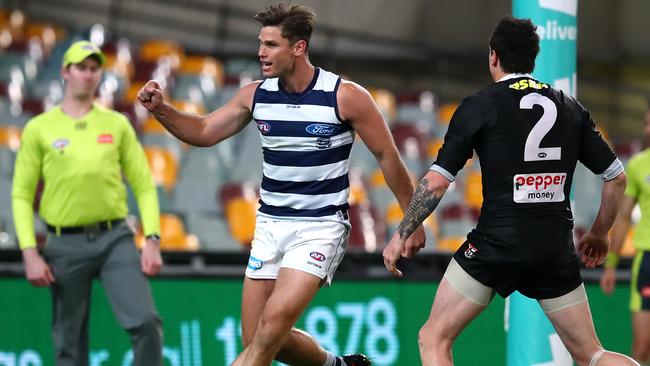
(459,140)
(27,172)
(138,174)
(594,152)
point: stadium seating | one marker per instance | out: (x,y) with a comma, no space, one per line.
(173,236)
(367,232)
(386,101)
(9,143)
(189,178)
(240,203)
(164,166)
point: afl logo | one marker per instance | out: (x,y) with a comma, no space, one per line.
(263,127)
(320,129)
(60,144)
(317,256)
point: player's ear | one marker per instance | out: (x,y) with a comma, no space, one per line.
(65,71)
(494,58)
(300,47)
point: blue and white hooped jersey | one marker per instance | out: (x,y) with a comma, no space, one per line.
(306,148)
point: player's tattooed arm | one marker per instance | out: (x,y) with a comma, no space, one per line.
(424,201)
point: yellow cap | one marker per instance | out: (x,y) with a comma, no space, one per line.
(81,50)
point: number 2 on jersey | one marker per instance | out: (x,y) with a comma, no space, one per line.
(532,151)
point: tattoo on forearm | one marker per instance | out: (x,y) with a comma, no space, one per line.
(422,205)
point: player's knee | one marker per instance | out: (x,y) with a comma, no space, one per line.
(424,339)
(150,328)
(429,336)
(273,327)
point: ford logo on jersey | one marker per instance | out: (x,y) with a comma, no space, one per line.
(321,129)
(318,256)
(263,127)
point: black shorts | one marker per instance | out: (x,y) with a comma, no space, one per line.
(640,283)
(542,265)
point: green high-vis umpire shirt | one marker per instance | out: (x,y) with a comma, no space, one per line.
(81,161)
(638,188)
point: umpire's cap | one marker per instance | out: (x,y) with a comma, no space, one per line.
(80,50)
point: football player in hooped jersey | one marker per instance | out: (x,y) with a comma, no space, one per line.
(307,118)
(528,137)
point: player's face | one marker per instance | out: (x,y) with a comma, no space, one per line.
(82,79)
(275,53)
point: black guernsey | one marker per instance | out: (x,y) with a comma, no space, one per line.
(528,138)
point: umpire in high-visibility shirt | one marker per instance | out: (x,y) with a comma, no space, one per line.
(80,150)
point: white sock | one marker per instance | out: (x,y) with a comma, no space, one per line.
(333,360)
(596,357)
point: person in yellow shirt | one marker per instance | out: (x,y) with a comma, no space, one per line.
(80,151)
(637,192)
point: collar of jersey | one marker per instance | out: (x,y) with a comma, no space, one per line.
(297,96)
(514,76)
(92,109)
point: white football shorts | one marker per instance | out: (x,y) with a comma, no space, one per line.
(315,247)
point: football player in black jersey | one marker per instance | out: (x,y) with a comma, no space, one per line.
(528,137)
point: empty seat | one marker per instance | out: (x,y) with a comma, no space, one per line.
(362,158)
(368,231)
(173,236)
(164,166)
(240,203)
(473,190)
(33,106)
(446,111)
(128,109)
(201,176)
(433,147)
(47,34)
(153,50)
(386,102)
(450,243)
(212,231)
(204,66)
(144,71)
(9,144)
(358,190)
(10,137)
(413,146)
(380,195)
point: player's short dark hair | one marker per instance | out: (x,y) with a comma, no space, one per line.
(516,43)
(296,21)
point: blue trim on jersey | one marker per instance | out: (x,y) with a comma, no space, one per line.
(336,103)
(300,129)
(334,185)
(307,158)
(295,97)
(257,89)
(292,212)
(316,97)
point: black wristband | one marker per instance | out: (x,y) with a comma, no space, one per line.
(154,237)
